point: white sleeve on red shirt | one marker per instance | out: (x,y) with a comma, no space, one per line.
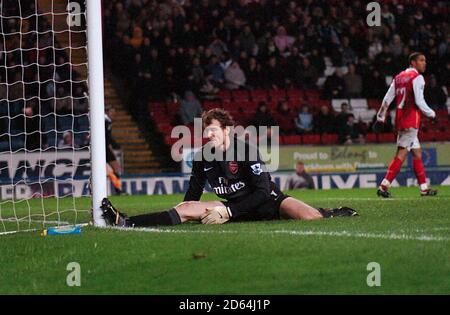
(388,98)
(419,86)
(390,94)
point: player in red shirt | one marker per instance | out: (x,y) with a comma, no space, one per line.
(407,90)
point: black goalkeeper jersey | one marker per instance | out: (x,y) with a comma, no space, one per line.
(244,182)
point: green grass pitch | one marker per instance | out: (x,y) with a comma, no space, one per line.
(407,235)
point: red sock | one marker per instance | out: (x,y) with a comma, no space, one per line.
(419,170)
(393,169)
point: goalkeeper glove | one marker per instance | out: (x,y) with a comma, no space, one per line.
(216,215)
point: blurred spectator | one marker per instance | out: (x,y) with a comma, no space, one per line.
(225,61)
(262,116)
(396,45)
(324,121)
(215,69)
(353,82)
(274,75)
(190,108)
(218,47)
(67,141)
(136,40)
(434,94)
(234,77)
(375,85)
(208,89)
(307,74)
(284,118)
(387,17)
(304,120)
(350,133)
(170,87)
(334,86)
(283,41)
(384,62)
(197,73)
(348,54)
(222,32)
(300,179)
(254,74)
(375,48)
(341,117)
(63,103)
(80,101)
(247,40)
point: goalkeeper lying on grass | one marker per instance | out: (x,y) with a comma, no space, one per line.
(248,190)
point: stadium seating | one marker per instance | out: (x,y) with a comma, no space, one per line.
(295,94)
(240,95)
(242,104)
(330,139)
(386,137)
(371,137)
(311,139)
(259,95)
(277,95)
(290,140)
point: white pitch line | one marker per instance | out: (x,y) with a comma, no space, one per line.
(379,199)
(34,221)
(34,230)
(389,236)
(14,232)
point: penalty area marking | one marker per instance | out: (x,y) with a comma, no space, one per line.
(388,236)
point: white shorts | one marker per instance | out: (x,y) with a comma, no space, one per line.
(407,138)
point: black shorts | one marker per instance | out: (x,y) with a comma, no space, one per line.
(269,210)
(110,156)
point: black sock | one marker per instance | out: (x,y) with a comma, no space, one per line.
(326,213)
(169,217)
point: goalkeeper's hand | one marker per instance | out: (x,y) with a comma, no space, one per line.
(216,215)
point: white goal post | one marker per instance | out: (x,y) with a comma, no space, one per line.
(97,107)
(52,120)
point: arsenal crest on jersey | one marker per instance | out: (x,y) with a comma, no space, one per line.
(233,167)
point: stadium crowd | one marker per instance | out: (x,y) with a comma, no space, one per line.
(164,48)
(190,51)
(42,96)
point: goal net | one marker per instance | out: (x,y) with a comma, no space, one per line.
(45,118)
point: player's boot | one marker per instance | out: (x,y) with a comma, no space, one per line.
(338,212)
(428,192)
(383,193)
(112,216)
